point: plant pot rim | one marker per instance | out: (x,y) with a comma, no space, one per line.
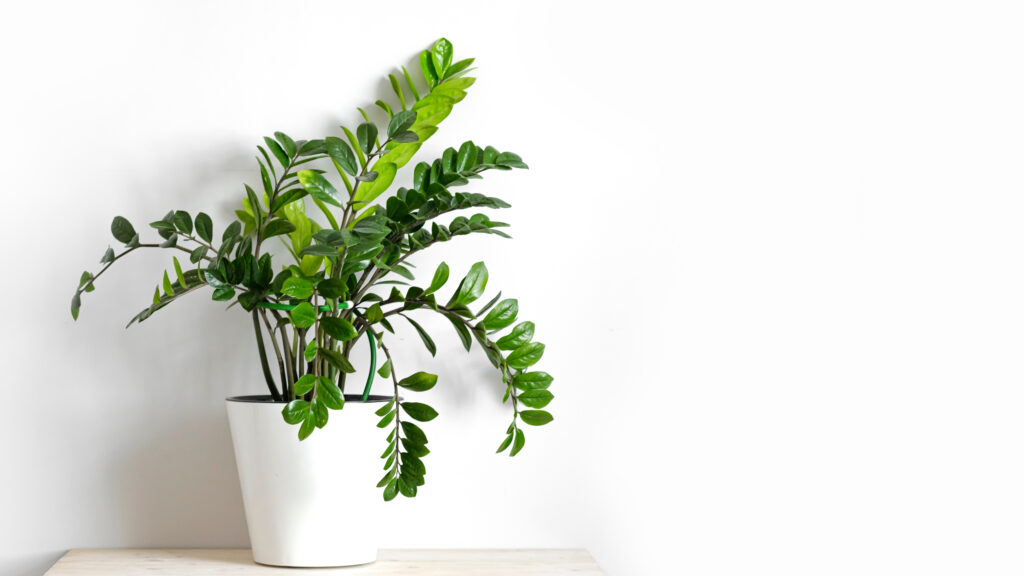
(267,399)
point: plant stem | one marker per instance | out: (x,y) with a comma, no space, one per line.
(263,358)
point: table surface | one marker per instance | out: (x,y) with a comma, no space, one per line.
(238,562)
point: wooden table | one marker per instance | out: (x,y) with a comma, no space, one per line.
(238,562)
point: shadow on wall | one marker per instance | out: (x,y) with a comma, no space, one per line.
(181,490)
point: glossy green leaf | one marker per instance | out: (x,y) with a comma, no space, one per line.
(401,122)
(329,393)
(204,226)
(427,340)
(462,331)
(308,425)
(366,134)
(310,353)
(525,356)
(319,409)
(532,380)
(471,287)
(338,360)
(295,411)
(297,287)
(440,277)
(504,445)
(180,275)
(536,398)
(304,384)
(442,53)
(502,316)
(287,143)
(183,222)
(277,151)
(427,66)
(122,229)
(418,382)
(391,490)
(277,227)
(303,315)
(521,334)
(535,417)
(341,152)
(318,187)
(419,411)
(385,370)
(339,328)
(332,288)
(168,289)
(519,443)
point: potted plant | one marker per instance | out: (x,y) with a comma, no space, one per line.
(307,485)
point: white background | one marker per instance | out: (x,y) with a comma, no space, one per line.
(774,250)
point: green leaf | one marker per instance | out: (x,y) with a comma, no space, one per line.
(223,293)
(297,287)
(386,419)
(391,490)
(277,227)
(406,137)
(366,134)
(535,417)
(122,229)
(304,384)
(183,222)
(397,88)
(76,304)
(308,424)
(519,443)
(471,287)
(277,150)
(427,65)
(418,382)
(414,433)
(374,314)
(339,328)
(310,353)
(525,356)
(332,288)
(303,315)
(536,398)
(168,290)
(442,53)
(419,411)
(505,444)
(318,187)
(233,229)
(295,411)
(180,274)
(108,256)
(329,393)
(401,122)
(458,67)
(198,254)
(385,370)
(427,340)
(338,360)
(502,315)
(341,153)
(204,226)
(319,409)
(532,380)
(521,334)
(286,142)
(440,277)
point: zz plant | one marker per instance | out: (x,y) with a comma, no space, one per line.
(350,277)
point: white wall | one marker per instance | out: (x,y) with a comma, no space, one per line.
(774,250)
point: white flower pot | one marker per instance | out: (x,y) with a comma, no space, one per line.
(312,503)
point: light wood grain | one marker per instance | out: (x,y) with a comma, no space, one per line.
(237,562)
